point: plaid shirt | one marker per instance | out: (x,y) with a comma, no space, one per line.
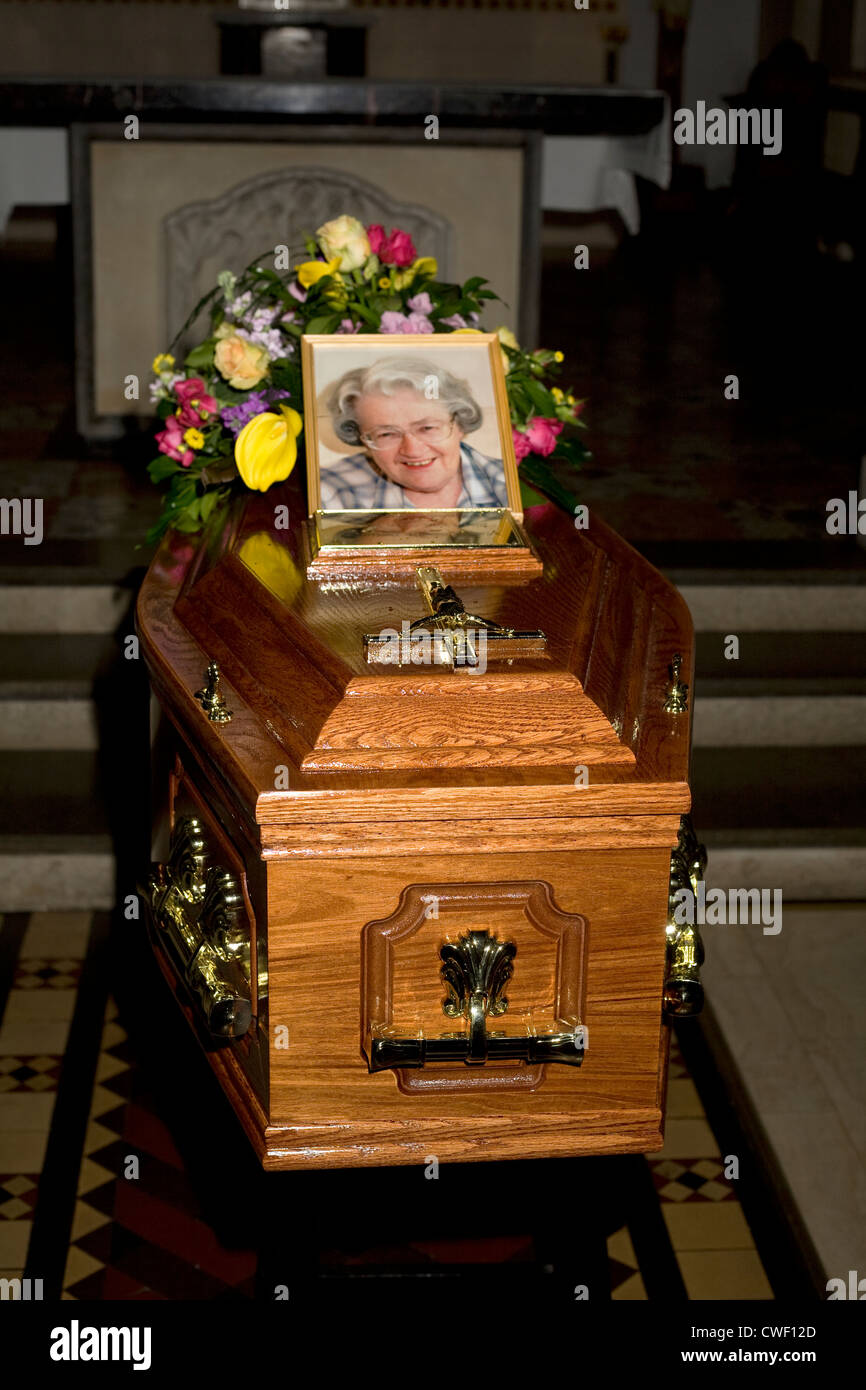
(350,484)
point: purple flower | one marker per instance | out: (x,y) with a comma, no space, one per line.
(455,321)
(475,319)
(394,322)
(347,326)
(295,290)
(234,417)
(239,307)
(421,303)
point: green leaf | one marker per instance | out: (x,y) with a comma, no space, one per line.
(159,528)
(536,472)
(161,468)
(325,323)
(520,402)
(201,356)
(540,397)
(362,312)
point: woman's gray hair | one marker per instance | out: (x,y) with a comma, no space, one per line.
(390,374)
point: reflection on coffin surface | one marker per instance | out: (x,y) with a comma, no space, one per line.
(453,879)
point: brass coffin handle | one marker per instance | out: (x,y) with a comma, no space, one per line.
(683,992)
(476,968)
(200,921)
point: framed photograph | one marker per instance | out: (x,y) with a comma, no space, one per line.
(408,440)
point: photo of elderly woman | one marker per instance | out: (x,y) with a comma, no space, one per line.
(408,418)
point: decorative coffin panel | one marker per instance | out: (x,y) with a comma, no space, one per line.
(471,941)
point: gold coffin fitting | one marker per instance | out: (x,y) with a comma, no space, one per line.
(200,921)
(683,991)
(476,968)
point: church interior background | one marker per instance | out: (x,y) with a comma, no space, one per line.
(714,327)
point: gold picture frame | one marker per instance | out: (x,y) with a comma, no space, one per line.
(429,345)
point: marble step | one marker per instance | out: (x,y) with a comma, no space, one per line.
(793,819)
(801,605)
(47,687)
(56,847)
(56,873)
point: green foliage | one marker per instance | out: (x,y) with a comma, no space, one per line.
(201,356)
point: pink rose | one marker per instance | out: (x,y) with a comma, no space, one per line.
(541,434)
(376,236)
(522,446)
(399,249)
(195,403)
(170,441)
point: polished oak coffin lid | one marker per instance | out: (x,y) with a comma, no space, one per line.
(318,734)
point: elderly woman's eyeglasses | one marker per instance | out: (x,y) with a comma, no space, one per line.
(428,432)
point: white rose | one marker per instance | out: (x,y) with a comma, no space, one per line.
(344,237)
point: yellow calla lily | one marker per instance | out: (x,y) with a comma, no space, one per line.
(311,272)
(266,449)
(465,330)
(425,265)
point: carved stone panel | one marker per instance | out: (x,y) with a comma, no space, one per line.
(278,209)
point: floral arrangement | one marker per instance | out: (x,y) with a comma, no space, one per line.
(231,413)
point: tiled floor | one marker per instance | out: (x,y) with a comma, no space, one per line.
(139,1227)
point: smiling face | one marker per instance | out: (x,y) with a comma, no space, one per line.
(419,466)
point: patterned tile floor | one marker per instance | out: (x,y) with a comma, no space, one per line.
(98,1179)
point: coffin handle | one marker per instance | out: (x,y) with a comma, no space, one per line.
(683,995)
(198,921)
(476,968)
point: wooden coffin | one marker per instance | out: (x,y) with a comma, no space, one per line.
(358,843)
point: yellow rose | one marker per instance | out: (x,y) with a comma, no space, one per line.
(345,238)
(506,336)
(243,364)
(267,448)
(311,272)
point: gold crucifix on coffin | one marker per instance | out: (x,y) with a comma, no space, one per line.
(448,635)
